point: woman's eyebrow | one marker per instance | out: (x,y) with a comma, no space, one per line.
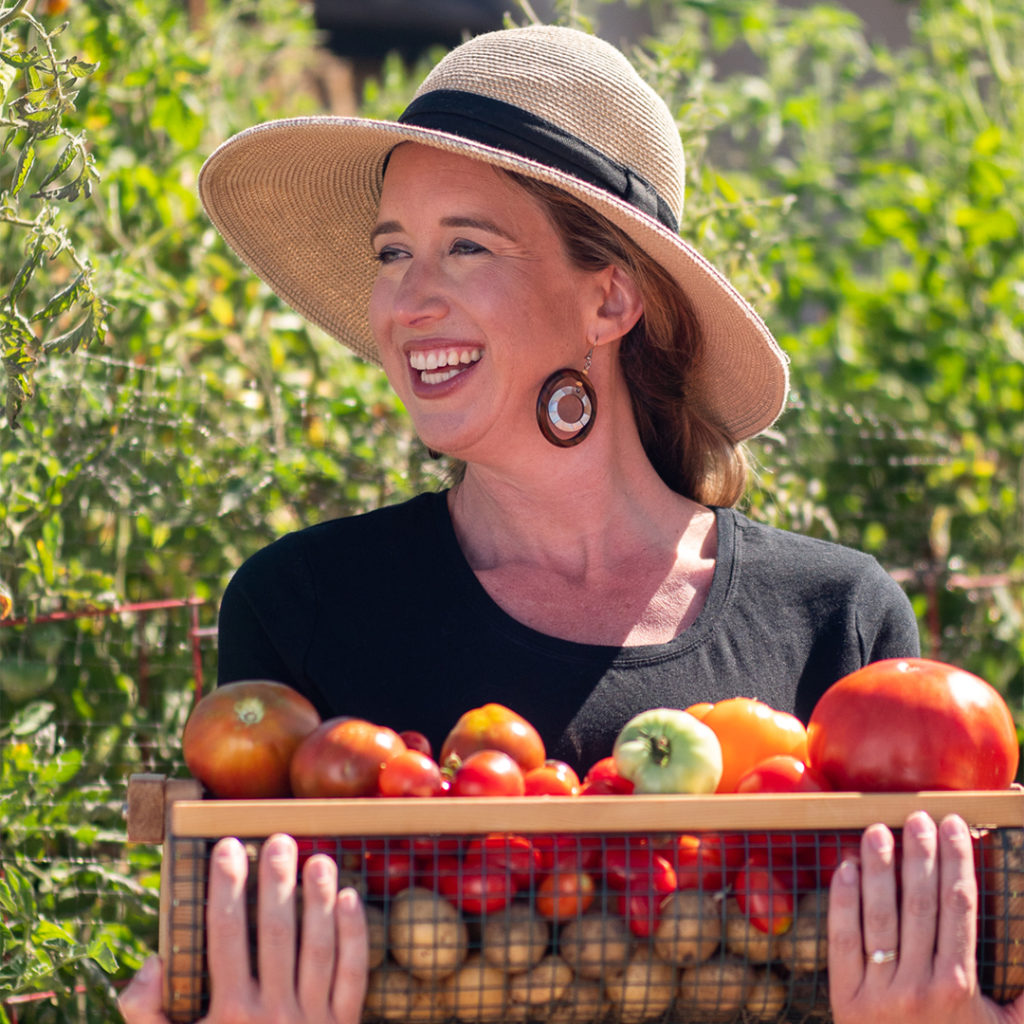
(387,227)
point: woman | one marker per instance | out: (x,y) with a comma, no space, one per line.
(509,252)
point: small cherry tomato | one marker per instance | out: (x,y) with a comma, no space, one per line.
(411,773)
(415,740)
(389,873)
(476,888)
(509,853)
(552,778)
(488,773)
(603,779)
(641,911)
(765,897)
(564,894)
(697,862)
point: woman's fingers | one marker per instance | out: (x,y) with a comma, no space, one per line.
(920,904)
(276,920)
(352,965)
(319,941)
(881,921)
(227,931)
(141,1002)
(958,892)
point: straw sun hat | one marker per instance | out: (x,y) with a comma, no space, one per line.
(297,198)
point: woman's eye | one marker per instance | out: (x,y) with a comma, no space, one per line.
(388,254)
(463,247)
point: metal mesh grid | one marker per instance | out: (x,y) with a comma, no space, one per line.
(598,927)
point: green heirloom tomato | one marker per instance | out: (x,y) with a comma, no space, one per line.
(666,750)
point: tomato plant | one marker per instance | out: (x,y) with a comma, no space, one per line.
(411,773)
(488,773)
(906,724)
(343,757)
(750,731)
(240,738)
(552,778)
(564,894)
(495,727)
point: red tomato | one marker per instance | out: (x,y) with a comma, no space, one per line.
(603,779)
(506,852)
(697,862)
(640,869)
(825,852)
(567,852)
(906,724)
(343,757)
(641,910)
(410,773)
(765,897)
(390,872)
(240,738)
(495,727)
(552,778)
(749,731)
(488,773)
(416,741)
(476,888)
(564,894)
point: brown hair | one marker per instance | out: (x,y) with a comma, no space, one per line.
(692,455)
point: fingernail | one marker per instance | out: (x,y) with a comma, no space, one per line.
(280,845)
(954,827)
(149,967)
(881,841)
(348,899)
(847,872)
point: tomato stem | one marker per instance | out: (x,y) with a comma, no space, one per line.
(249,711)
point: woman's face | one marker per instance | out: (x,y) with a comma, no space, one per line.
(475,301)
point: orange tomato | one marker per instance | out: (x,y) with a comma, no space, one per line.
(750,731)
(700,709)
(564,894)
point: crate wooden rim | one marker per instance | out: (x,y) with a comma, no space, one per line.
(633,813)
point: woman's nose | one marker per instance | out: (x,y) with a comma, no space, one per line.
(420,295)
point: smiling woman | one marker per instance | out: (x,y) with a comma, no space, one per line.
(511,255)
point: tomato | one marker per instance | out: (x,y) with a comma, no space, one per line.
(700,709)
(417,741)
(638,868)
(552,778)
(749,731)
(641,910)
(410,773)
(697,863)
(603,779)
(564,894)
(389,872)
(782,773)
(495,727)
(765,896)
(567,852)
(906,724)
(488,773)
(477,888)
(509,853)
(824,852)
(240,738)
(343,757)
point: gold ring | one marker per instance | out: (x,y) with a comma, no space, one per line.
(882,956)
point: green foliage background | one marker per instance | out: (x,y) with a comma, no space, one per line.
(869,201)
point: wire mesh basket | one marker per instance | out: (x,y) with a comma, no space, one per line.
(619,910)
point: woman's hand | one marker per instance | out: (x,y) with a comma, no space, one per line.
(924,965)
(327,983)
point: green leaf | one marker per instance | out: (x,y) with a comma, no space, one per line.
(63,162)
(26,159)
(62,301)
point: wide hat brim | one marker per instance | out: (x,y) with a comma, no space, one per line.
(296,199)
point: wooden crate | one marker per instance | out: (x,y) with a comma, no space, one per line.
(778,987)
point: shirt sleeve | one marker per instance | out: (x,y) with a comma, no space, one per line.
(886,621)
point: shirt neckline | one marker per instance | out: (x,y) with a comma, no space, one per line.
(481,604)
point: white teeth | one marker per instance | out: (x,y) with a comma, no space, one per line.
(438,359)
(439,376)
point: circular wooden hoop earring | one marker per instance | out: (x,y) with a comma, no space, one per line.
(566,407)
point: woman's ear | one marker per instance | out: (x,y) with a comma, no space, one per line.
(620,307)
